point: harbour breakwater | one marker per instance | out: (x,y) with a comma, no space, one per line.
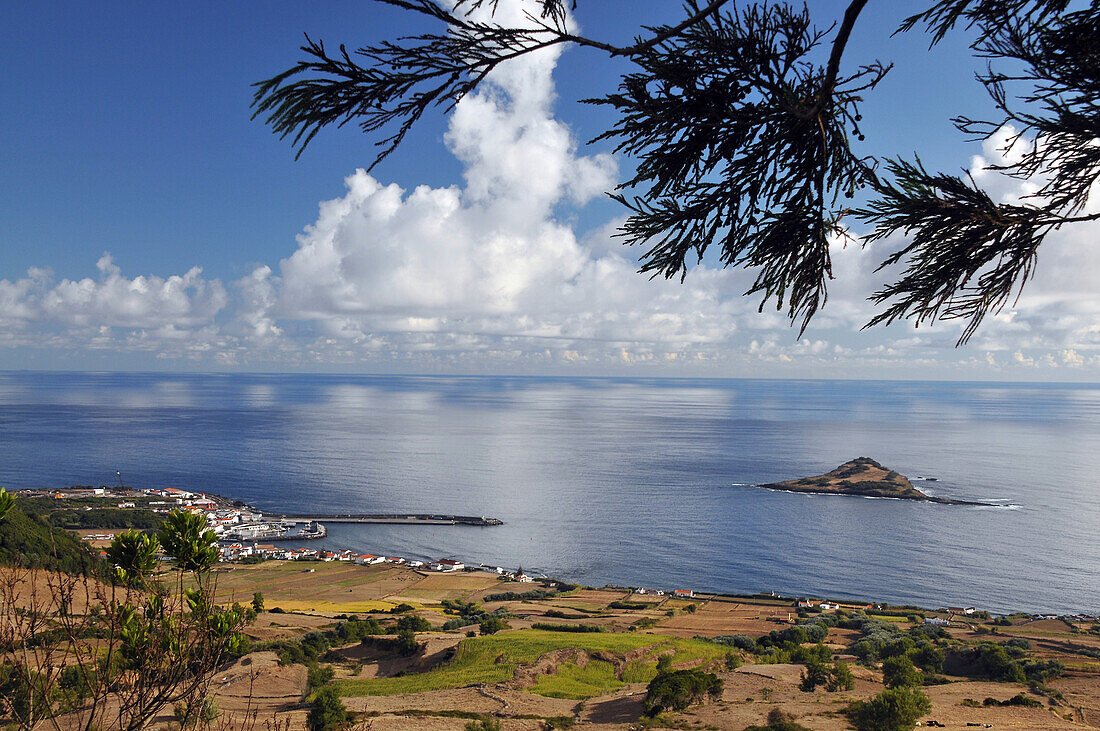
(398,518)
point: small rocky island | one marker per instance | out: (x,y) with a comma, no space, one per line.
(866,477)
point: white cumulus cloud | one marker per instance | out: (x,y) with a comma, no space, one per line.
(90,310)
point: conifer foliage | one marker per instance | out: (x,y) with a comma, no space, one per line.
(745,125)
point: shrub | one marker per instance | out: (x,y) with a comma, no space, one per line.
(779,720)
(815,674)
(327,711)
(620,604)
(318,676)
(165,646)
(406,642)
(485,724)
(928,656)
(1040,671)
(413,623)
(840,678)
(546,626)
(492,625)
(511,596)
(1017,700)
(990,660)
(899,672)
(459,622)
(741,642)
(894,709)
(676,690)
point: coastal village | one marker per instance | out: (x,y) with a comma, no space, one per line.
(241,529)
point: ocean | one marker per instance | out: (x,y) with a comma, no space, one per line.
(630,481)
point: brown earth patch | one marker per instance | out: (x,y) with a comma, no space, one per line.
(377,663)
(258,683)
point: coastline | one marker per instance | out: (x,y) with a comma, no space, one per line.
(640,578)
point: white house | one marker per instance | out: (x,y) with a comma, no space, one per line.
(446,564)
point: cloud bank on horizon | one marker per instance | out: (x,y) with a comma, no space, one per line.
(492,276)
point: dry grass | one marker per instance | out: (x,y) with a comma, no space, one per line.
(603,680)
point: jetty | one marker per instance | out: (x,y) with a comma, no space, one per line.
(393,518)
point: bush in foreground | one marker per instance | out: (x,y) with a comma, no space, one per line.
(80,652)
(894,709)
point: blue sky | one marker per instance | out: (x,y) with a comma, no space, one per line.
(127,133)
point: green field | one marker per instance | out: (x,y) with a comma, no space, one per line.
(576,683)
(495,658)
(686,651)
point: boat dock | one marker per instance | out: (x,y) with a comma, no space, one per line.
(395,518)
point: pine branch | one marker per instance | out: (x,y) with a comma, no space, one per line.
(965,254)
(740,145)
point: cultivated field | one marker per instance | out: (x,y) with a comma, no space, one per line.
(544,677)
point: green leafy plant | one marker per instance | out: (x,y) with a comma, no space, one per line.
(327,712)
(894,709)
(155,647)
(678,689)
(189,541)
(134,556)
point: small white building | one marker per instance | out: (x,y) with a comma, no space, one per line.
(446,564)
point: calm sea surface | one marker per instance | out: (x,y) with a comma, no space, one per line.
(629,481)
